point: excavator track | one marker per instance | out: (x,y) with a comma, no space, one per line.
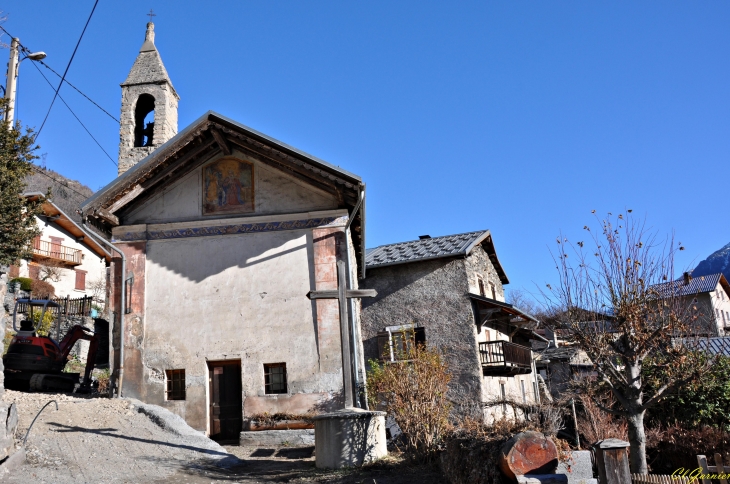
(41,382)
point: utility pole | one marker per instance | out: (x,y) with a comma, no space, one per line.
(11,85)
(12,81)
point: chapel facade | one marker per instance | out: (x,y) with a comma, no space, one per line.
(224,232)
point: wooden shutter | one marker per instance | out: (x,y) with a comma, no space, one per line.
(34,271)
(14,271)
(37,242)
(80,280)
(384,346)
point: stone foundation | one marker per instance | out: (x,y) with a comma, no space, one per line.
(278,438)
(349,438)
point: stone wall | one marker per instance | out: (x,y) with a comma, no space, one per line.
(429,294)
(8,411)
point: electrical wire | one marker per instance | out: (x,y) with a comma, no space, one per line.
(65,184)
(27,51)
(66,72)
(76,88)
(77,118)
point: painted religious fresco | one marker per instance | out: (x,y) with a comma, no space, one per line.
(228,187)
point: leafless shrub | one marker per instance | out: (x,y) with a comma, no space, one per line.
(594,424)
(413,391)
(545,417)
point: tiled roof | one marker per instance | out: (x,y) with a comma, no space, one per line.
(697,285)
(431,248)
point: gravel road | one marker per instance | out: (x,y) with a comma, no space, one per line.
(102,440)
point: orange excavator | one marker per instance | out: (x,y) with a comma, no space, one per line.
(34,362)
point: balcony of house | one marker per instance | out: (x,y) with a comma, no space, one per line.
(52,252)
(502,358)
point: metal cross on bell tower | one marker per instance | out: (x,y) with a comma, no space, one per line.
(151,14)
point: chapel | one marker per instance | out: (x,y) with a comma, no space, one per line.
(224,231)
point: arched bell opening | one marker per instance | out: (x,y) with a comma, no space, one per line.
(144,121)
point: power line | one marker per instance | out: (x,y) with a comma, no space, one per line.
(66,71)
(77,89)
(74,115)
(27,51)
(65,184)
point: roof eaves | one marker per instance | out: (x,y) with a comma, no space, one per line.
(125,178)
(104,253)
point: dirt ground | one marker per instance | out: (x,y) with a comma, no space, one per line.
(102,440)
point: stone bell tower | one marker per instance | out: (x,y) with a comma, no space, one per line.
(149,106)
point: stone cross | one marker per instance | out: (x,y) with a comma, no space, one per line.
(342,294)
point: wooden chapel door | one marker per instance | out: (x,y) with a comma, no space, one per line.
(226,408)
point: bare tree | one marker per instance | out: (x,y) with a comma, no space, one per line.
(51,271)
(616,302)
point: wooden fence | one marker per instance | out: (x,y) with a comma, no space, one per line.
(657,479)
(69,307)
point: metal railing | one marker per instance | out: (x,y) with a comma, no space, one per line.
(504,353)
(43,248)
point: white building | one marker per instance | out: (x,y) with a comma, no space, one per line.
(65,255)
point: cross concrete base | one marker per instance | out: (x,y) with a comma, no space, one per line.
(349,438)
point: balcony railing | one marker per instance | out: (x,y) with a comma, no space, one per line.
(502,358)
(48,250)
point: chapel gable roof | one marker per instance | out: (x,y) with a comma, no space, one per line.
(208,136)
(435,248)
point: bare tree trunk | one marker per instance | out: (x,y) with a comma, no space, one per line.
(637,439)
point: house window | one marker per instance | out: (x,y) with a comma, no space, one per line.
(175,384)
(37,242)
(34,271)
(80,280)
(494,292)
(723,318)
(275,378)
(480,281)
(394,343)
(524,393)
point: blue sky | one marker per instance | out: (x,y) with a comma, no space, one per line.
(519,117)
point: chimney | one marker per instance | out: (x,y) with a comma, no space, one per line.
(687,278)
(424,237)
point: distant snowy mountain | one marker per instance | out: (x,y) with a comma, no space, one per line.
(717,262)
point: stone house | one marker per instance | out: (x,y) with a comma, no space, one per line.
(65,255)
(450,291)
(224,231)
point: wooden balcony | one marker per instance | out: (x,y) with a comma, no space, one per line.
(502,358)
(49,251)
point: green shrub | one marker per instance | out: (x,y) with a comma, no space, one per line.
(25,282)
(47,322)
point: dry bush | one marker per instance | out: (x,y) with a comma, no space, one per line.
(413,391)
(676,446)
(41,289)
(595,424)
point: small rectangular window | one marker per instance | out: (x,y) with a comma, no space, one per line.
(80,280)
(494,292)
(480,281)
(275,378)
(175,384)
(394,345)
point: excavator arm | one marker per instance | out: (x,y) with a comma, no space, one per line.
(72,337)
